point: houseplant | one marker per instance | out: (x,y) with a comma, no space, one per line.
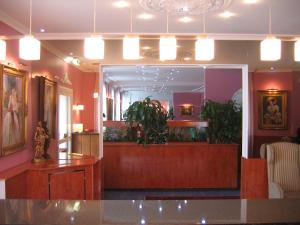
(149,120)
(225,121)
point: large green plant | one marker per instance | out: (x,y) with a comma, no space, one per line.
(225,121)
(149,119)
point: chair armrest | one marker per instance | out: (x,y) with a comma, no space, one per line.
(275,191)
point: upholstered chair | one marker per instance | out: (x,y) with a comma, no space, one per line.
(283,170)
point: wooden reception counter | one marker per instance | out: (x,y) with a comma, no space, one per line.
(69,177)
(173,165)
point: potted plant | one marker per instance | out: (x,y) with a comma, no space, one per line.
(225,121)
(149,120)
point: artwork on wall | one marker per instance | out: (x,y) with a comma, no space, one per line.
(272,109)
(13,110)
(47,103)
(186,110)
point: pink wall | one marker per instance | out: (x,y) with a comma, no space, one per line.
(221,84)
(190,98)
(281,81)
(51,66)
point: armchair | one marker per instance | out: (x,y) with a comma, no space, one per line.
(283,161)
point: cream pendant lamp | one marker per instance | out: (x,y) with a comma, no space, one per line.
(167,46)
(131,44)
(297,51)
(29,47)
(270,48)
(204,46)
(94,45)
(2,50)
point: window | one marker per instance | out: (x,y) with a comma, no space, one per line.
(65,99)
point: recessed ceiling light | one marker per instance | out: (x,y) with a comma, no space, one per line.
(250,1)
(185,9)
(185,19)
(121,4)
(146,47)
(145,16)
(42,30)
(227,14)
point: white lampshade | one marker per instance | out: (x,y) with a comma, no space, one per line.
(297,51)
(77,127)
(2,50)
(29,48)
(167,48)
(131,48)
(204,49)
(270,49)
(94,48)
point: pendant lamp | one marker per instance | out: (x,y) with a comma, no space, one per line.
(94,45)
(29,47)
(270,48)
(167,46)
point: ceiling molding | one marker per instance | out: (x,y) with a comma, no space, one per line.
(13,23)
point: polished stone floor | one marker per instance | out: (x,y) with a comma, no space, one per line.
(171,194)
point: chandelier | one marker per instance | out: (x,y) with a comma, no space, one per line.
(184,7)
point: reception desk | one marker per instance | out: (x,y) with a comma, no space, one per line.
(69,177)
(175,165)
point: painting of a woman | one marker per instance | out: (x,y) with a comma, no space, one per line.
(12,110)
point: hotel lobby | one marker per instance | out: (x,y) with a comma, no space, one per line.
(150,112)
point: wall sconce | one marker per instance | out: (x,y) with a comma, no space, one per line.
(95,95)
(272,90)
(2,50)
(78,107)
(77,127)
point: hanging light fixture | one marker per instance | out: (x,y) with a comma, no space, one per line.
(270,48)
(297,51)
(29,47)
(204,46)
(167,46)
(94,45)
(2,50)
(131,45)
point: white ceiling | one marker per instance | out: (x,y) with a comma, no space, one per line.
(67,19)
(155,79)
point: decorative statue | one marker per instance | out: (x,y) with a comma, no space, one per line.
(47,141)
(39,138)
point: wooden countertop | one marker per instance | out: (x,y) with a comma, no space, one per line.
(64,160)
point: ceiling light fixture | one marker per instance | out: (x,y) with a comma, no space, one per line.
(167,46)
(42,30)
(297,51)
(204,46)
(2,50)
(131,45)
(94,45)
(250,1)
(121,4)
(185,19)
(29,47)
(227,14)
(145,16)
(270,48)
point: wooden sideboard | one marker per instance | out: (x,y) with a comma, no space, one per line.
(86,143)
(74,177)
(173,165)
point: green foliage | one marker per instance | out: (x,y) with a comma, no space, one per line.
(225,121)
(149,119)
(115,134)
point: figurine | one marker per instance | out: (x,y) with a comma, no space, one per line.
(47,141)
(39,138)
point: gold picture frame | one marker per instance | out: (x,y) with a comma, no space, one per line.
(186,110)
(272,110)
(13,110)
(47,103)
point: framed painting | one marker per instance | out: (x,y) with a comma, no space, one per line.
(272,110)
(186,110)
(13,110)
(47,103)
